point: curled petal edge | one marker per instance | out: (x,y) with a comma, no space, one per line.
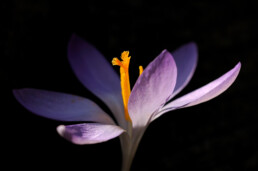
(89,133)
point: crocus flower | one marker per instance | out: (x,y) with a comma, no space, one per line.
(151,96)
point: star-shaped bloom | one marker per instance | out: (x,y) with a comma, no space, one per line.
(151,96)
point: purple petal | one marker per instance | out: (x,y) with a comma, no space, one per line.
(186,60)
(96,74)
(89,133)
(152,89)
(204,93)
(61,106)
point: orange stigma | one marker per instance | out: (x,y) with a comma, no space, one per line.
(125,81)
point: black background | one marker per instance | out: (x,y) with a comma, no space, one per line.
(218,135)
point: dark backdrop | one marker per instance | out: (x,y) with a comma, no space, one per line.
(218,135)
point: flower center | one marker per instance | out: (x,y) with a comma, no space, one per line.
(124,78)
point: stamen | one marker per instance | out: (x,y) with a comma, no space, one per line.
(140,70)
(125,82)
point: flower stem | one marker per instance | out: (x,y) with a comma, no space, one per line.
(127,158)
(129,149)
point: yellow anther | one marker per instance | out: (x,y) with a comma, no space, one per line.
(125,82)
(140,70)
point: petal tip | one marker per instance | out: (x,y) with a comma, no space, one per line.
(236,69)
(60,129)
(165,51)
(192,44)
(238,65)
(191,47)
(17,93)
(74,39)
(74,36)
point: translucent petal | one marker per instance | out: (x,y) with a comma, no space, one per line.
(96,74)
(186,60)
(61,106)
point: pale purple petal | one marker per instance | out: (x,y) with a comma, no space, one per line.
(204,93)
(186,60)
(152,89)
(96,74)
(89,133)
(61,106)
